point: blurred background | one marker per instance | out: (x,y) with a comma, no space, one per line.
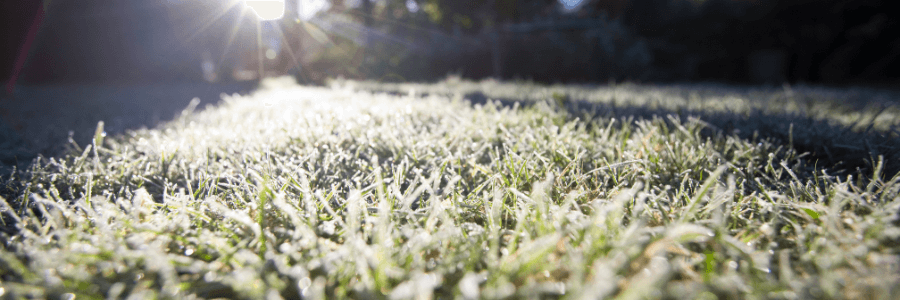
(68,64)
(832,42)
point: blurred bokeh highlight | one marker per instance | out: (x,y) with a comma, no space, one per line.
(740,41)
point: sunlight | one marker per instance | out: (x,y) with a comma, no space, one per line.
(267,9)
(287,46)
(259,52)
(231,35)
(275,9)
(271,40)
(309,8)
(203,25)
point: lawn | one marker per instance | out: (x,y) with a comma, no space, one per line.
(469,190)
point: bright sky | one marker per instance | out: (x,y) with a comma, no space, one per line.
(274,9)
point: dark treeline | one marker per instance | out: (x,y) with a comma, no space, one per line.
(747,41)
(744,41)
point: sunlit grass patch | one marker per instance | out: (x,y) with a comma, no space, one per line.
(325,193)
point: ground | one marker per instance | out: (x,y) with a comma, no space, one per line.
(37,119)
(472,190)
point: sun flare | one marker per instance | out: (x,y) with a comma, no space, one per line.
(267,9)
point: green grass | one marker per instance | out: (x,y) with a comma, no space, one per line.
(552,192)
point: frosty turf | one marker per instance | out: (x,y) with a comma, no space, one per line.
(340,193)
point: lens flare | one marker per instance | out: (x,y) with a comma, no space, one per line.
(267,9)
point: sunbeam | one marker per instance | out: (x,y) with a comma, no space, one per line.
(287,43)
(234,30)
(204,25)
(259,52)
(273,30)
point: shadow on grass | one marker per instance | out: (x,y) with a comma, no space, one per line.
(42,119)
(835,148)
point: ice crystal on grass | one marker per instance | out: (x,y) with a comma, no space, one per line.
(335,193)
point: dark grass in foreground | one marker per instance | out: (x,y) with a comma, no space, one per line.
(331,193)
